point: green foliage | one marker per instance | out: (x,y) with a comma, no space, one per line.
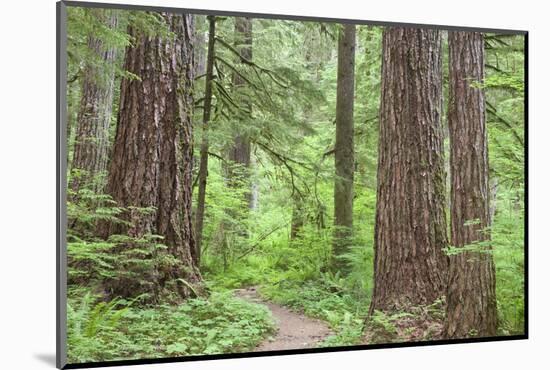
(83,24)
(93,328)
(252,271)
(93,260)
(88,207)
(415,323)
(100,331)
(286,108)
(508,238)
(506,81)
(293,272)
(386,323)
(504,87)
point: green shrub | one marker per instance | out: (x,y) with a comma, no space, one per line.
(102,331)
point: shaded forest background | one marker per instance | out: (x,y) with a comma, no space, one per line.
(204,154)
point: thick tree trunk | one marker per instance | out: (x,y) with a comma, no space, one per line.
(152,158)
(410,265)
(203,166)
(471,300)
(344,150)
(94,116)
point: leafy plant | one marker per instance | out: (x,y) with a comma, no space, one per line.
(121,330)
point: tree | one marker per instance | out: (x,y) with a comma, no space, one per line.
(238,152)
(203,166)
(236,165)
(344,149)
(151,168)
(410,266)
(199,47)
(471,300)
(94,115)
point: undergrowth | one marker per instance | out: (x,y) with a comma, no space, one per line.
(416,323)
(507,238)
(101,331)
(293,273)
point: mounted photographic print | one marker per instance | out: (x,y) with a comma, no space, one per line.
(236,184)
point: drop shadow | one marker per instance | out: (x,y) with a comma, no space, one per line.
(47,358)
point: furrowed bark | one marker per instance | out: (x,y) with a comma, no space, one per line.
(410,266)
(471,299)
(151,164)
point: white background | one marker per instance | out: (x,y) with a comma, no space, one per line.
(27,183)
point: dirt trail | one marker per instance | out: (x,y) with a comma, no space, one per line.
(294,330)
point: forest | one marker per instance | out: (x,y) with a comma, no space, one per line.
(244,184)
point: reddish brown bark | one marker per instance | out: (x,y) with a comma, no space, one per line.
(471,300)
(152,155)
(410,266)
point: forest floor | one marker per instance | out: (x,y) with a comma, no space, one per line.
(294,330)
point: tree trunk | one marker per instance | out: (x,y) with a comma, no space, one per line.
(203,167)
(255,188)
(94,116)
(410,265)
(152,158)
(298,217)
(471,300)
(237,165)
(493,193)
(238,154)
(344,150)
(200,46)
(73,106)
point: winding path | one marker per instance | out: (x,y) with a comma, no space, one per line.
(294,330)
